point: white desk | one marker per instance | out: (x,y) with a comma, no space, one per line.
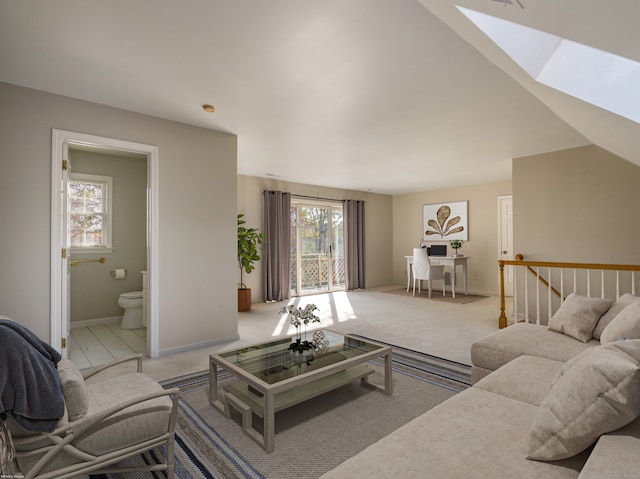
(452,261)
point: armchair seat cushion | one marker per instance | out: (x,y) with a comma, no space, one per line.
(135,424)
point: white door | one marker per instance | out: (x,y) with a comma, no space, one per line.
(505,239)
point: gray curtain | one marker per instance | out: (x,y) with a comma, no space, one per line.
(276,257)
(354,243)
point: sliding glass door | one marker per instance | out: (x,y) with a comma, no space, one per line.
(317,248)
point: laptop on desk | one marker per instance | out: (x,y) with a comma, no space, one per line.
(437,250)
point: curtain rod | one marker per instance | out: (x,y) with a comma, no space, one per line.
(317,198)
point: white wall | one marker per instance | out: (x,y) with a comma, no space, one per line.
(482,247)
(577,205)
(378,235)
(197,213)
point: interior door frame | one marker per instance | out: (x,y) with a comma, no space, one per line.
(501,255)
(59,290)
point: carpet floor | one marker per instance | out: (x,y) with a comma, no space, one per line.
(312,437)
(436,295)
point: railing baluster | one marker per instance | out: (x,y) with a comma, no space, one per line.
(538,295)
(622,284)
(515,296)
(526,296)
(549,294)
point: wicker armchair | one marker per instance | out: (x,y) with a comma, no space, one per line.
(105,422)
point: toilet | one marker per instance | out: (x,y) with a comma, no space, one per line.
(132,305)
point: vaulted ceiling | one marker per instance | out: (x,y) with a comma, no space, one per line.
(389,96)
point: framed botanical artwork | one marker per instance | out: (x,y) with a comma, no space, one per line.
(445,221)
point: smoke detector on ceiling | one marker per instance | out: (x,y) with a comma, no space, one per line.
(510,2)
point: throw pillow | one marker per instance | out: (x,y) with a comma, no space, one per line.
(615,309)
(626,325)
(595,395)
(568,365)
(74,390)
(578,315)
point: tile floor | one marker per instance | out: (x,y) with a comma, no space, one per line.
(94,345)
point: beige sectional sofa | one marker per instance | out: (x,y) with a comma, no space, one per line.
(538,393)
(497,349)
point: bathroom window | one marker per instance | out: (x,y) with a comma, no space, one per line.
(90,212)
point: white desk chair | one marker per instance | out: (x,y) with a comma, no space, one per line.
(423,270)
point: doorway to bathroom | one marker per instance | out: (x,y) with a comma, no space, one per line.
(103,211)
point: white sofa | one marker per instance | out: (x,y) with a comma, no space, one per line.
(490,429)
(590,317)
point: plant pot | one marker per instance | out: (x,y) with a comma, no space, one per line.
(301,357)
(244,299)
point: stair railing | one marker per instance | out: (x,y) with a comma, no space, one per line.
(614,280)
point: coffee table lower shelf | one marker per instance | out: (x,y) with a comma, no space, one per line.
(239,397)
(241,393)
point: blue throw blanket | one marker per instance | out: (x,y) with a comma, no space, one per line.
(29,382)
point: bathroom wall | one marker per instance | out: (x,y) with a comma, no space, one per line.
(94,292)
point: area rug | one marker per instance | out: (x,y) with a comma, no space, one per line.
(312,437)
(436,295)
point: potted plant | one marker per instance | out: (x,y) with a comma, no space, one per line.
(456,245)
(301,317)
(248,241)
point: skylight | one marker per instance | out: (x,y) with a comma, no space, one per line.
(601,78)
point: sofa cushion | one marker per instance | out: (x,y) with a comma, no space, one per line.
(596,394)
(74,390)
(497,349)
(626,325)
(623,301)
(615,454)
(578,315)
(475,434)
(525,379)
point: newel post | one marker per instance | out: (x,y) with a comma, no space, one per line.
(502,320)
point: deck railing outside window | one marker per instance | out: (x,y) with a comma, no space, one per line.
(314,271)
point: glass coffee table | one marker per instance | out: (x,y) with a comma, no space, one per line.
(272,378)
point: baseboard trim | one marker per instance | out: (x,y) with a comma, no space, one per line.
(204,344)
(85,323)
